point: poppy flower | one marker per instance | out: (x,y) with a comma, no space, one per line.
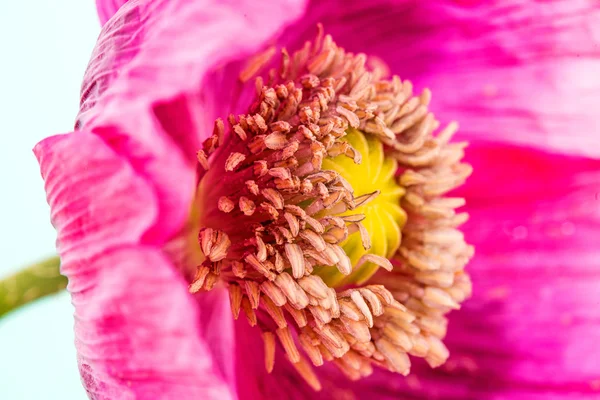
(315,200)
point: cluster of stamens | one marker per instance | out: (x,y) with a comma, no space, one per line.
(273,220)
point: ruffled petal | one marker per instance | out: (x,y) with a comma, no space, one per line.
(483,83)
(146,93)
(171,67)
(537,272)
(95,196)
(107,8)
(523,72)
(529,331)
(137,329)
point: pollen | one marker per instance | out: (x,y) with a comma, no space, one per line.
(323,210)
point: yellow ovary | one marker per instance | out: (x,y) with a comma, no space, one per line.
(384,218)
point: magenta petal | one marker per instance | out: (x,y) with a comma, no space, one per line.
(94,196)
(155,53)
(163,69)
(145,90)
(137,328)
(530,330)
(218,331)
(537,272)
(107,8)
(523,72)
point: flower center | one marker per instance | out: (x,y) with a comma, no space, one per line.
(384,218)
(333,173)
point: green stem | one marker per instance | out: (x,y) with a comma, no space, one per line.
(29,284)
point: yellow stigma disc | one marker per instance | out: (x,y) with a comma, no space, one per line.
(384,218)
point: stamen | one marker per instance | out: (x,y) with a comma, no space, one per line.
(256,63)
(233,161)
(311,350)
(253,293)
(397,359)
(362,306)
(375,259)
(274,311)
(202,159)
(249,312)
(306,371)
(269,339)
(299,316)
(324,206)
(294,254)
(214,244)
(235,297)
(225,204)
(274,293)
(287,341)
(294,293)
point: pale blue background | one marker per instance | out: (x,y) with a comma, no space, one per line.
(44,48)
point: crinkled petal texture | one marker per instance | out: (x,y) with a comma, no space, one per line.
(529,332)
(155,77)
(121,188)
(512,74)
(530,329)
(518,74)
(137,330)
(107,8)
(520,71)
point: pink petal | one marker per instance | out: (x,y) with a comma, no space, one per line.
(217,329)
(95,196)
(530,330)
(137,329)
(523,72)
(537,271)
(140,94)
(179,57)
(146,90)
(107,8)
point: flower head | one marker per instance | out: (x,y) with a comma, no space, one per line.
(305,195)
(272,215)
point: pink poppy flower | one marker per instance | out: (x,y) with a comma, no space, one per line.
(141,225)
